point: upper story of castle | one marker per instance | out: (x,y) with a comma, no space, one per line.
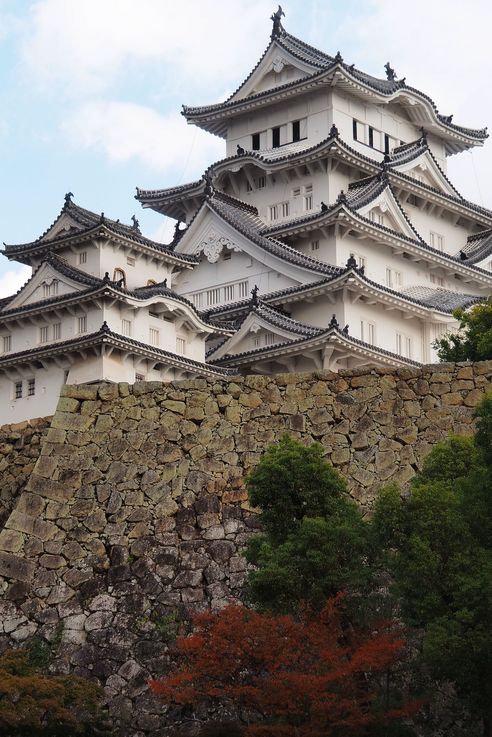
(296,93)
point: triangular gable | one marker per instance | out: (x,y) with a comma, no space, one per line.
(424,169)
(276,67)
(34,289)
(63,225)
(210,235)
(386,210)
(256,331)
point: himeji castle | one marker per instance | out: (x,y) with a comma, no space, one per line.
(328,237)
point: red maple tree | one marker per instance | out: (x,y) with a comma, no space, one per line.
(292,678)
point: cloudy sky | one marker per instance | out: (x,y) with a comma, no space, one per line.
(91,90)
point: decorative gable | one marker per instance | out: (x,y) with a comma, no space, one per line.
(385,210)
(45,283)
(62,226)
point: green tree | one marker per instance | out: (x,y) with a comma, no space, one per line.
(315,541)
(473,341)
(438,549)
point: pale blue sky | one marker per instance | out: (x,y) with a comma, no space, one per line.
(90,90)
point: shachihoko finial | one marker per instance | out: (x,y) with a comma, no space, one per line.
(68,198)
(254,295)
(390,72)
(277,22)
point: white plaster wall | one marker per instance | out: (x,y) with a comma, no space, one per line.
(454,235)
(48,383)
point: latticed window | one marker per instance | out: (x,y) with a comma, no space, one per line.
(43,334)
(126,327)
(31,387)
(229,293)
(180,345)
(57,331)
(82,324)
(243,289)
(153,336)
(213,297)
(6,343)
(18,390)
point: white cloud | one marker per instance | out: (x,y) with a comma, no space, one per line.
(85,45)
(13,279)
(125,131)
(442,49)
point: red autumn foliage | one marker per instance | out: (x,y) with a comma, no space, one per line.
(303,678)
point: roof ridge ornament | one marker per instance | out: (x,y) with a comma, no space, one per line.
(338,58)
(342,198)
(209,188)
(333,131)
(105,328)
(136,224)
(351,262)
(254,294)
(277,29)
(68,199)
(334,322)
(390,72)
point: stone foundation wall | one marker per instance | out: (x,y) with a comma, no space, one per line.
(20,445)
(136,511)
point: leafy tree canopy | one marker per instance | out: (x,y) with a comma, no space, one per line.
(473,341)
(303,677)
(438,548)
(315,542)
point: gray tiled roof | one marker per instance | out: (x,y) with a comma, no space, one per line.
(440,299)
(89,221)
(347,338)
(477,247)
(321,63)
(246,222)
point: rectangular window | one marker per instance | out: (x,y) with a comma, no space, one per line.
(275,137)
(256,341)
(180,346)
(393,278)
(83,257)
(269,338)
(243,289)
(54,287)
(274,212)
(296,192)
(437,241)
(261,183)
(57,331)
(436,280)
(82,324)
(314,245)
(46,290)
(285,209)
(229,293)
(371,137)
(18,390)
(31,387)
(354,130)
(403,345)
(43,334)
(213,297)
(153,336)
(249,188)
(376,217)
(296,130)
(126,327)
(6,343)
(386,143)
(308,202)
(367,331)
(255,141)
(139,377)
(399,343)
(408,347)
(130,260)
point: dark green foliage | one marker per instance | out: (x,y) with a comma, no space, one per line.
(315,542)
(293,481)
(438,545)
(473,341)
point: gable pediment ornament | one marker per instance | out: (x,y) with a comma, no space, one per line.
(278,64)
(213,245)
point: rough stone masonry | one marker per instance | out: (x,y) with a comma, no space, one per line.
(136,511)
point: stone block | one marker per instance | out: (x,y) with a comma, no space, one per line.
(19,569)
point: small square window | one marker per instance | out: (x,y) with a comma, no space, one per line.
(130,261)
(314,245)
(139,377)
